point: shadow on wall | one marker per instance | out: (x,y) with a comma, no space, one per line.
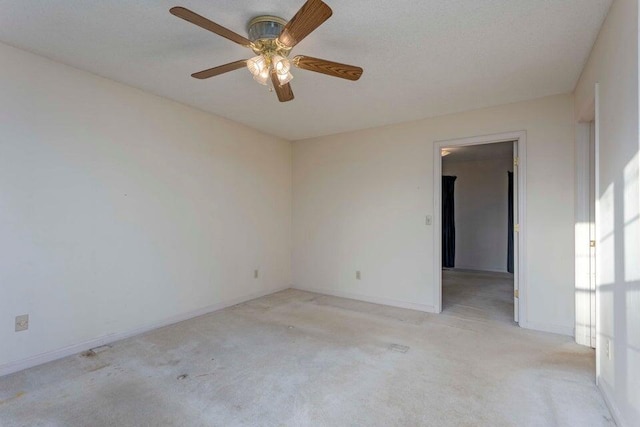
(618,252)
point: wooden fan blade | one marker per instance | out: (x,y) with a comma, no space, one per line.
(329,68)
(205,74)
(310,16)
(203,22)
(284,92)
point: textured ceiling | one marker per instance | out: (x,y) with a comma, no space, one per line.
(421,58)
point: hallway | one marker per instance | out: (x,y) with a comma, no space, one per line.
(478,295)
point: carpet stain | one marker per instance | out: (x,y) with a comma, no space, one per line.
(17,396)
(399,348)
(97,368)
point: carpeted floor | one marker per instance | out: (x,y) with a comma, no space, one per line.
(478,295)
(301,359)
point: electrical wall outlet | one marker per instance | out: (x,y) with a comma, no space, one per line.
(255,274)
(22,322)
(608,350)
(358,275)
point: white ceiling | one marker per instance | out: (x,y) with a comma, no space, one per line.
(500,150)
(421,58)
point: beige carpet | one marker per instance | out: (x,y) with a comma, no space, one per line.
(478,295)
(302,359)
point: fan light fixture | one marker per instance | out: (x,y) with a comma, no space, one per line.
(285,78)
(256,64)
(271,38)
(262,77)
(281,65)
(261,66)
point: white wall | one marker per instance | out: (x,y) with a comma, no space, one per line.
(481,211)
(614,65)
(120,209)
(360,201)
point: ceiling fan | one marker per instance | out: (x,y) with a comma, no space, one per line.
(271,39)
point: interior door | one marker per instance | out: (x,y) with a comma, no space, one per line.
(516,235)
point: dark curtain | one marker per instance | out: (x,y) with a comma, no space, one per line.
(510,225)
(448,222)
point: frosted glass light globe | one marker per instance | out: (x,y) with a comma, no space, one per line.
(256,65)
(262,77)
(284,78)
(281,65)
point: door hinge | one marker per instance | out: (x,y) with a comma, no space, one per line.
(516,161)
(516,293)
(592,243)
(516,228)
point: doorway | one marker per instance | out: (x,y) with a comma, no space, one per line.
(500,278)
(477,231)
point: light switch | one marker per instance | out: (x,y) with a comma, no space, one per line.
(429,220)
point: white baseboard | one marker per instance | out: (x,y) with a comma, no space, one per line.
(607,395)
(548,327)
(371,299)
(480,269)
(19,365)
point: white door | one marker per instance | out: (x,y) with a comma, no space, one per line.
(516,235)
(592,231)
(585,250)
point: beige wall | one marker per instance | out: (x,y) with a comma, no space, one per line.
(120,209)
(360,201)
(481,211)
(614,65)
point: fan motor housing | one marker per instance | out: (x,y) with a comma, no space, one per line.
(263,33)
(265,27)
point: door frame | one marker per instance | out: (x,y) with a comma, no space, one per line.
(585,233)
(590,112)
(520,257)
